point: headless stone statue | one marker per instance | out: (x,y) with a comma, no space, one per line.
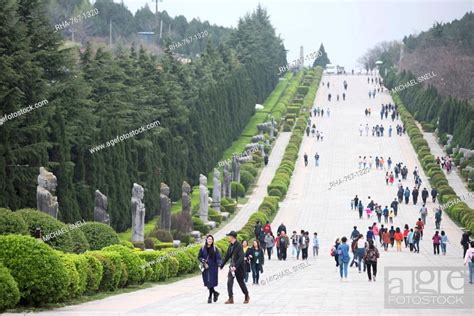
(203,198)
(186,198)
(165,206)
(138,213)
(216,191)
(235,169)
(100,209)
(227,181)
(46,202)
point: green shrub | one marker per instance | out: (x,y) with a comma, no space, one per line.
(37,269)
(150,243)
(138,245)
(154,261)
(249,167)
(99,235)
(237,190)
(94,273)
(74,288)
(229,205)
(215,216)
(164,245)
(185,238)
(127,244)
(112,269)
(79,240)
(49,225)
(199,225)
(124,275)
(275,192)
(246,178)
(9,293)
(161,234)
(136,273)
(12,223)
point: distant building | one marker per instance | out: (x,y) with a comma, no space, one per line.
(146,37)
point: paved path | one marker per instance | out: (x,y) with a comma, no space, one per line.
(314,289)
(260,190)
(454,178)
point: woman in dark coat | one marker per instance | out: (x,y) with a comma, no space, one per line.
(257,257)
(246,249)
(210,260)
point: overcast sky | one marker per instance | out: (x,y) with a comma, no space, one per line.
(346,28)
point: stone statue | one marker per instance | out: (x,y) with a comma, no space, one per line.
(46,202)
(264,127)
(216,191)
(262,149)
(138,213)
(235,169)
(258,138)
(272,128)
(165,207)
(186,198)
(203,198)
(100,209)
(226,183)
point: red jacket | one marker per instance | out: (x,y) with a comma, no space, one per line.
(267,228)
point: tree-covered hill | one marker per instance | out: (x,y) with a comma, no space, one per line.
(95,95)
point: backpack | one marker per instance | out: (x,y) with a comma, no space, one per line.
(333,250)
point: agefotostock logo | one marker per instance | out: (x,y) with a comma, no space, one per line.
(427,287)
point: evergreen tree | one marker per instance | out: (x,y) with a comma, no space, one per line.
(323,60)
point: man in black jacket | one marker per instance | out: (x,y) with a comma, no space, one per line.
(235,253)
(424,195)
(281,228)
(394,205)
(434,193)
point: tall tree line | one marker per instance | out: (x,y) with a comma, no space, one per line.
(95,95)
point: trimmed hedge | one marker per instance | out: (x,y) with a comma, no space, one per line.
(112,269)
(99,235)
(457,210)
(12,223)
(37,269)
(9,293)
(136,272)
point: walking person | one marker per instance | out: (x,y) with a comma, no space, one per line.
(210,260)
(438,214)
(295,242)
(334,251)
(257,258)
(406,231)
(423,213)
(424,195)
(371,256)
(361,209)
(315,245)
(386,239)
(398,239)
(434,194)
(406,193)
(420,225)
(316,159)
(360,252)
(444,241)
(304,244)
(269,242)
(465,242)
(436,242)
(236,268)
(469,259)
(416,240)
(305,159)
(344,258)
(410,239)
(283,244)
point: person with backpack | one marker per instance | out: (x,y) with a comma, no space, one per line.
(281,228)
(370,258)
(400,194)
(378,212)
(469,259)
(344,258)
(438,214)
(210,260)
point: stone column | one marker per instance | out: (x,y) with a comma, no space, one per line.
(235,169)
(227,180)
(165,207)
(216,191)
(203,198)
(46,202)
(138,213)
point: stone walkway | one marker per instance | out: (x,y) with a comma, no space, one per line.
(314,288)
(454,179)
